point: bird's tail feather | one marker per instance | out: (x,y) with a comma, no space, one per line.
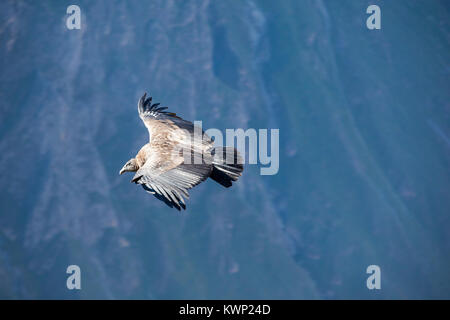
(227,166)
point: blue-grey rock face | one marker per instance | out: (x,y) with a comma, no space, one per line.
(364,149)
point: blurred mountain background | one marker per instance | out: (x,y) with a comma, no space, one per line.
(364,149)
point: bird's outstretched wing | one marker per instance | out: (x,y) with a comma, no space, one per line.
(171,186)
(154,116)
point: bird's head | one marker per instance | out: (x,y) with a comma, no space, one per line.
(130,166)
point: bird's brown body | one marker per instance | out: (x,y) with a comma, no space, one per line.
(141,156)
(176,159)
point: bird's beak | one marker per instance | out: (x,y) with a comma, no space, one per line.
(122,171)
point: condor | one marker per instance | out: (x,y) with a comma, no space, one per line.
(165,172)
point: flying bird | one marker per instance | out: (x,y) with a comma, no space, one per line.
(177,157)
